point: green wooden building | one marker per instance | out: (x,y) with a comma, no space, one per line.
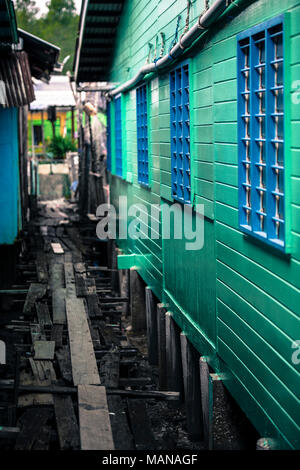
(205,112)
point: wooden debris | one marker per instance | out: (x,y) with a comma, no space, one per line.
(94,421)
(31,424)
(35,292)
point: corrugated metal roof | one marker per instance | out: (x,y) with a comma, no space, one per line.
(15,80)
(55,93)
(8,24)
(98,24)
(43,55)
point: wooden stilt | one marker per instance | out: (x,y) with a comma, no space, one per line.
(221,431)
(151,327)
(173,355)
(137,302)
(161,334)
(191,382)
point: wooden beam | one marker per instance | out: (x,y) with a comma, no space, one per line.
(137,302)
(94,422)
(173,355)
(151,327)
(162,359)
(84,365)
(192,395)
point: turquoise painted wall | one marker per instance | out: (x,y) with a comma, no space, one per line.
(237,300)
(9,175)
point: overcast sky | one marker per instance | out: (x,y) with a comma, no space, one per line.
(41,4)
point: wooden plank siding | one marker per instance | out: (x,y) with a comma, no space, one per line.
(236,300)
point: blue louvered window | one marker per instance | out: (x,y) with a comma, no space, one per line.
(108,137)
(118,135)
(261,132)
(180,134)
(142,134)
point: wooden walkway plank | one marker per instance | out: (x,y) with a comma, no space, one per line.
(94,420)
(84,365)
(67,426)
(59,306)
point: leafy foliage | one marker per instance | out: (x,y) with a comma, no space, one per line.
(59,145)
(58,26)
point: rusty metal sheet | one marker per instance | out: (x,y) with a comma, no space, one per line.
(15,79)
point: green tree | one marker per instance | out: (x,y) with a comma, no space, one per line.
(58,26)
(27,11)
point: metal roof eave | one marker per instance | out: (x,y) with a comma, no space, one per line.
(98,25)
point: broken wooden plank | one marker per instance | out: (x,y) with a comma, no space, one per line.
(36,291)
(67,427)
(43,371)
(84,365)
(43,314)
(140,425)
(94,421)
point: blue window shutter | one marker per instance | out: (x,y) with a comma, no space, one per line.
(118,136)
(108,137)
(260,129)
(142,134)
(180,134)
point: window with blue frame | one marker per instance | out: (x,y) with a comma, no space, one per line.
(108,136)
(118,136)
(142,134)
(180,134)
(261,132)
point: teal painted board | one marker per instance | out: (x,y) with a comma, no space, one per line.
(9,175)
